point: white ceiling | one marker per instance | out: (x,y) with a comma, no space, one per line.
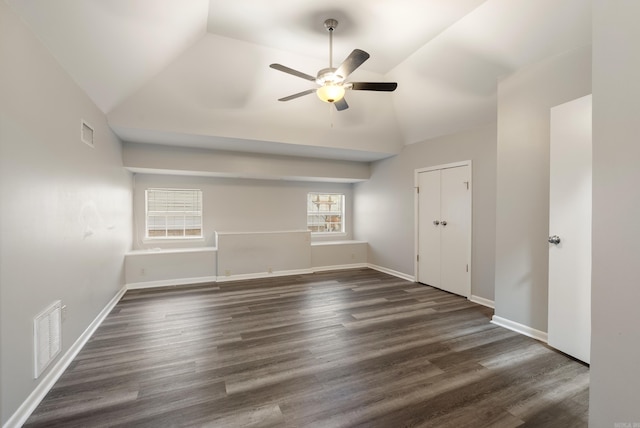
(389,30)
(195,73)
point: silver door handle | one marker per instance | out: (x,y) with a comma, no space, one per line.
(555,239)
(444,222)
(436,222)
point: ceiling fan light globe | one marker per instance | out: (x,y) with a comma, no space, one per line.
(330,93)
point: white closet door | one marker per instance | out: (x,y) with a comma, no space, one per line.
(455,227)
(429,228)
(569,327)
(444,225)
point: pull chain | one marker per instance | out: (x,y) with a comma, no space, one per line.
(331,114)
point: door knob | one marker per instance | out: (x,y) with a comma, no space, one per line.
(555,239)
(444,222)
(436,222)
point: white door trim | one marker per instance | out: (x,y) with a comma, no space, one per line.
(416,213)
(438,167)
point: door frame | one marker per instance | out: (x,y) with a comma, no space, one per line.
(416,215)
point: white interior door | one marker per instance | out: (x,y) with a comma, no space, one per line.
(444,226)
(569,327)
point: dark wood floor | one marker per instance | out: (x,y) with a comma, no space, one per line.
(339,349)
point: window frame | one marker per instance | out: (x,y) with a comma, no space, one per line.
(343,214)
(185,213)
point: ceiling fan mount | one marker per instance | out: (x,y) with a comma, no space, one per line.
(330,24)
(331,81)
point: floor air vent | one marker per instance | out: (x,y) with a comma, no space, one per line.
(47,336)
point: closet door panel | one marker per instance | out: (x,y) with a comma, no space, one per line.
(455,213)
(429,228)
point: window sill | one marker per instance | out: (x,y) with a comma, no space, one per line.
(171,240)
(329,235)
(337,242)
(152,251)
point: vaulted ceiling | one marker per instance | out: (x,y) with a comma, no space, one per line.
(196,72)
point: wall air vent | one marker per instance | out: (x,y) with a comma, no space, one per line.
(47,336)
(86,134)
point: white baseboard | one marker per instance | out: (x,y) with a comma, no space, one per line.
(171,282)
(37,395)
(519,328)
(260,275)
(392,272)
(339,267)
(482,301)
(241,277)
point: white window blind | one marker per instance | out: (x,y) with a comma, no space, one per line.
(325,212)
(173,213)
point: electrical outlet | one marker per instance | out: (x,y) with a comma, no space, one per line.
(143,272)
(270,270)
(227,272)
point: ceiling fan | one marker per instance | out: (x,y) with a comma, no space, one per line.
(332,81)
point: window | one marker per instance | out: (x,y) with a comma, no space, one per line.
(174,213)
(325,212)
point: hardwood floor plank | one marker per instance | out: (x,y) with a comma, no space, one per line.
(332,349)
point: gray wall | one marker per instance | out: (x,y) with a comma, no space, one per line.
(615,337)
(384,206)
(65,220)
(238,205)
(522,212)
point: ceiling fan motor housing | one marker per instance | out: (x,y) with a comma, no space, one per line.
(329,76)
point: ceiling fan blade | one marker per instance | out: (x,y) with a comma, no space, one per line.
(341,104)
(288,70)
(374,86)
(353,61)
(299,94)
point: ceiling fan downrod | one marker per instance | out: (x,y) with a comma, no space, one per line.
(330,24)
